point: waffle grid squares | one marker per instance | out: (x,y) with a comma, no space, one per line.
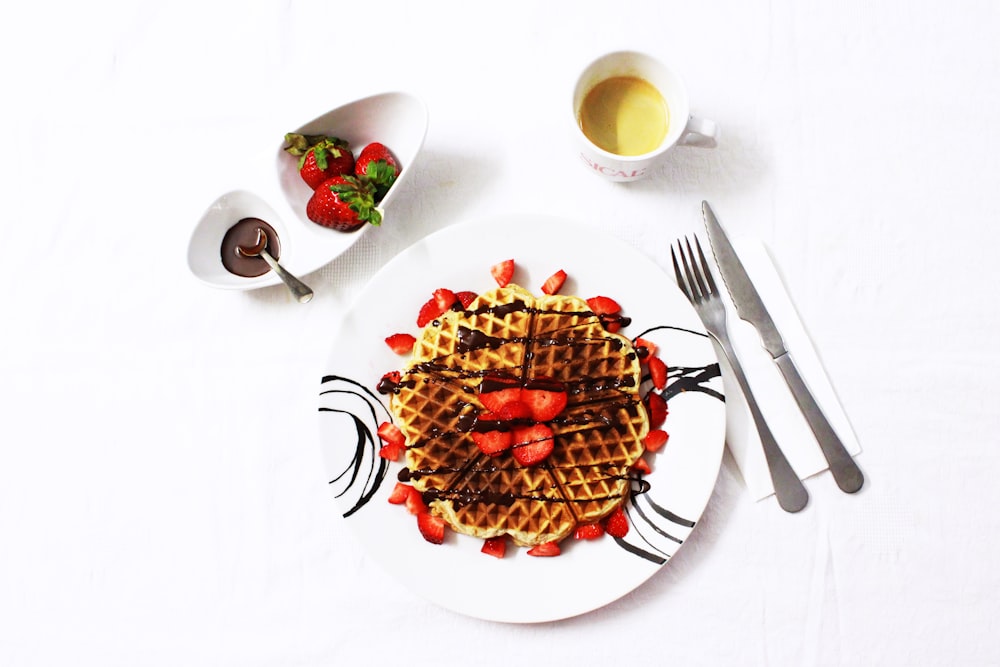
(597,438)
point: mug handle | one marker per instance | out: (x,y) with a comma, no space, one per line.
(700,132)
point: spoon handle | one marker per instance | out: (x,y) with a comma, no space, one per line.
(299,289)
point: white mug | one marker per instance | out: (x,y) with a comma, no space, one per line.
(682,129)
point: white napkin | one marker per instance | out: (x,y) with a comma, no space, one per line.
(776,402)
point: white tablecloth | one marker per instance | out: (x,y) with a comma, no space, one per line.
(162,496)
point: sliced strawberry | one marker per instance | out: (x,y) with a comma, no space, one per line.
(503,272)
(485,418)
(545,549)
(657,407)
(389,382)
(655,440)
(642,466)
(431,527)
(495,546)
(495,391)
(657,372)
(429,312)
(401,343)
(466,298)
(395,441)
(391,434)
(604,305)
(644,348)
(544,405)
(493,443)
(445,299)
(400,493)
(495,400)
(514,410)
(440,303)
(590,531)
(392,451)
(554,282)
(415,504)
(611,323)
(532,444)
(616,524)
(608,310)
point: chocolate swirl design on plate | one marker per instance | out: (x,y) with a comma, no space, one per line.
(365,471)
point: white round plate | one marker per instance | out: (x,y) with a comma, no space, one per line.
(274,192)
(588,574)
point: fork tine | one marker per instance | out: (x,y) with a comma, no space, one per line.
(694,277)
(680,276)
(704,268)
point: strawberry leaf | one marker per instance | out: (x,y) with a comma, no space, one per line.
(359,195)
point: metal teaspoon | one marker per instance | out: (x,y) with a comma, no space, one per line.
(299,289)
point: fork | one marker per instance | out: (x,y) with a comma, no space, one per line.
(699,287)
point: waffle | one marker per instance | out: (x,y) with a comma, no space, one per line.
(510,333)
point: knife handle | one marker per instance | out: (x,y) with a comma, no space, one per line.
(845,471)
(788,488)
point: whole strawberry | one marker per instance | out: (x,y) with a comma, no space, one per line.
(320,157)
(377,163)
(344,203)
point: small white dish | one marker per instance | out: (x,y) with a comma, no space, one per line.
(279,195)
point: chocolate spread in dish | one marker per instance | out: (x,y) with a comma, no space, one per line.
(244,233)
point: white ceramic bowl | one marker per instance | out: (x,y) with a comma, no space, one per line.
(279,196)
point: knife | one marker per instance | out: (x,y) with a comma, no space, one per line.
(750,307)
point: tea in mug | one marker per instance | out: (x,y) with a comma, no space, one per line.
(625,115)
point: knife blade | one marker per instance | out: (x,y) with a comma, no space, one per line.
(750,307)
